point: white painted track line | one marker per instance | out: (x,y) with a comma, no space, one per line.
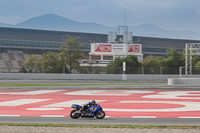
(189,117)
(9,115)
(35,92)
(19,102)
(52,116)
(42,109)
(143,116)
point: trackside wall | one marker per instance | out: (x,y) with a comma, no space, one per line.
(184,81)
(42,76)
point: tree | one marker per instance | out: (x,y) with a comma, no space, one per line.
(150,64)
(132,65)
(71,53)
(175,58)
(33,63)
(197,64)
(115,67)
(161,61)
(51,63)
(174,61)
(150,61)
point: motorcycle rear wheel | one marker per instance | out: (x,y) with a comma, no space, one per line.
(100,115)
(74,115)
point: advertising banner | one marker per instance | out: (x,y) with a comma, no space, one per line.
(102,48)
(118,47)
(115,49)
(134,48)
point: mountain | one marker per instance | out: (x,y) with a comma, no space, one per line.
(5,25)
(55,22)
(151,30)
(59,23)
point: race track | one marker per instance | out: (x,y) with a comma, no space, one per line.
(122,105)
(137,103)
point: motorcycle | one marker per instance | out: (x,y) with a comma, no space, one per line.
(87,112)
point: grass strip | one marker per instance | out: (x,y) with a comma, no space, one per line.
(96,126)
(44,85)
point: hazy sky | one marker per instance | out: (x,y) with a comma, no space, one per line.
(167,14)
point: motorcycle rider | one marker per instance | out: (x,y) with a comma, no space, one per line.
(86,106)
(93,103)
(90,104)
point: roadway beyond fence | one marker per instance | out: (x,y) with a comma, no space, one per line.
(45,76)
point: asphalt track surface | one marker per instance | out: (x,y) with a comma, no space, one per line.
(84,81)
(106,121)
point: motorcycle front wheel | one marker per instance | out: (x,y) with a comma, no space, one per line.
(100,115)
(74,115)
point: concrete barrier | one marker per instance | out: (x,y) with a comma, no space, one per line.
(45,76)
(184,81)
(42,76)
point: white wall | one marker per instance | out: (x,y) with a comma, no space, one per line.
(184,81)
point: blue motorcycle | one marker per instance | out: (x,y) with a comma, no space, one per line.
(87,112)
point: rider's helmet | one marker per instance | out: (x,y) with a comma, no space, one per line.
(93,102)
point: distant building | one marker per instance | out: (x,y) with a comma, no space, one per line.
(16,44)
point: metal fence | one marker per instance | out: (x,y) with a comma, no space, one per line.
(139,70)
(132,70)
(103,70)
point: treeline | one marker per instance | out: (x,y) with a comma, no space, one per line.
(65,61)
(152,64)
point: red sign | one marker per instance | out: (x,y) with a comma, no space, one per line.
(134,48)
(102,48)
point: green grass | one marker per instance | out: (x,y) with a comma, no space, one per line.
(94,126)
(32,85)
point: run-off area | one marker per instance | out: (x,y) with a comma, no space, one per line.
(146,103)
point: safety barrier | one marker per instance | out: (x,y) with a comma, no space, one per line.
(184,81)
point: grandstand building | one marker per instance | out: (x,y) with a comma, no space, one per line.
(16,44)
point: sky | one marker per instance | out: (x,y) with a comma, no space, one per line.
(168,14)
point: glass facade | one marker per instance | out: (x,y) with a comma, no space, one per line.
(39,47)
(156,51)
(34,47)
(160,50)
(30,43)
